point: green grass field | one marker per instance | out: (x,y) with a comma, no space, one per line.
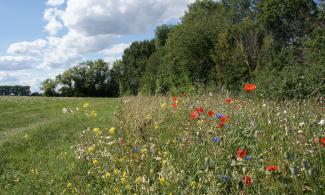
(200,144)
(36,139)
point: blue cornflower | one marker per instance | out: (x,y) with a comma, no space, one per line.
(216,139)
(248,157)
(219,115)
(136,149)
(225,178)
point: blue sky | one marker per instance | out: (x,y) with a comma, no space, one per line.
(21,20)
(40,39)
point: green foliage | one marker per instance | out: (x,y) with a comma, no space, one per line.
(15,90)
(49,87)
(288,21)
(221,44)
(91,78)
(161,35)
(134,64)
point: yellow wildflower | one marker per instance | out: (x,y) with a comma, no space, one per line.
(123,180)
(144,151)
(96,130)
(138,180)
(107,175)
(112,130)
(163,106)
(34,171)
(162,180)
(149,117)
(156,125)
(93,114)
(116,171)
(86,105)
(69,185)
(91,149)
(124,174)
(95,162)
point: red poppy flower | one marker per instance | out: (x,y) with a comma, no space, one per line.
(247,180)
(210,113)
(249,87)
(271,168)
(199,109)
(174,105)
(228,100)
(195,115)
(220,125)
(224,118)
(322,141)
(174,99)
(241,153)
(235,107)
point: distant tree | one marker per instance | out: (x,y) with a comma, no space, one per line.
(287,21)
(15,90)
(89,78)
(161,35)
(134,63)
(49,87)
(190,45)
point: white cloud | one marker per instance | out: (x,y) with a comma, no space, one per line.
(6,78)
(54,2)
(116,50)
(69,49)
(10,63)
(92,26)
(114,53)
(52,16)
(121,17)
(27,48)
(27,77)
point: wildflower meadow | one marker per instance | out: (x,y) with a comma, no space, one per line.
(206,144)
(188,144)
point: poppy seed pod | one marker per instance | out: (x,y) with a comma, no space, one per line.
(305,164)
(293,170)
(312,172)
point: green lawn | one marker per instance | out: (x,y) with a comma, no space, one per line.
(36,140)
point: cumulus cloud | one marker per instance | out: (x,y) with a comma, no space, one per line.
(93,25)
(114,53)
(121,17)
(54,2)
(116,50)
(52,16)
(10,63)
(6,78)
(27,48)
(69,49)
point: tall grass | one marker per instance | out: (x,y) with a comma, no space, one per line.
(206,145)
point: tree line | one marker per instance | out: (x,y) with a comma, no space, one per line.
(278,45)
(16,90)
